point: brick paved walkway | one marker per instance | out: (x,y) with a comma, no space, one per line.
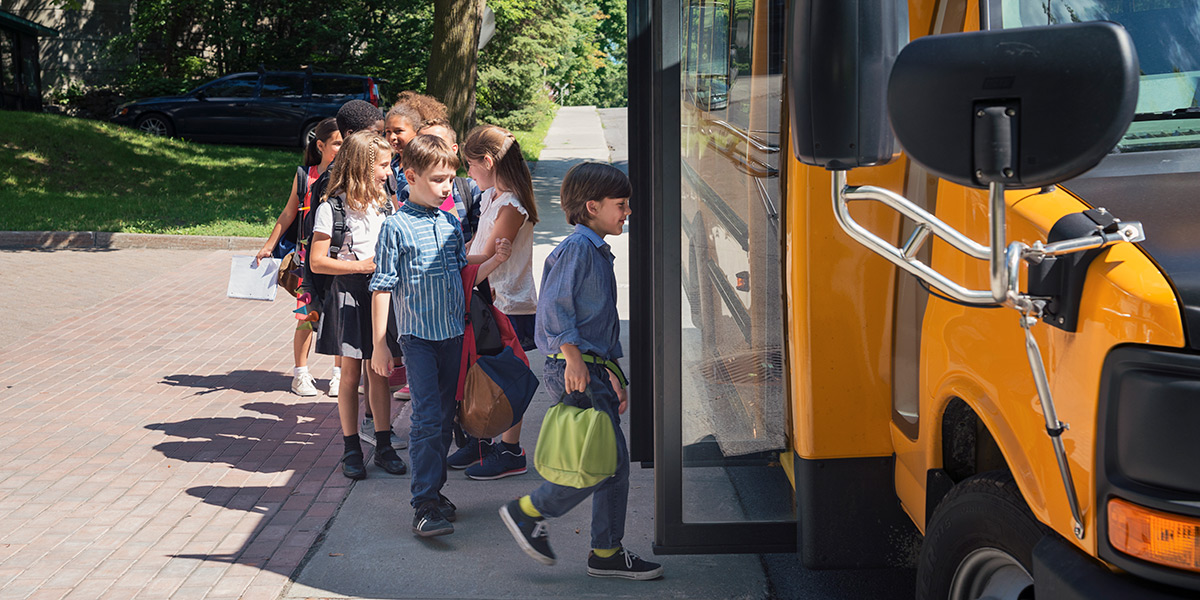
(149,448)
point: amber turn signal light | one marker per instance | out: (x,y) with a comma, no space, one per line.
(1155,536)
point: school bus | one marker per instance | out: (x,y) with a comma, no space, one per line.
(918,283)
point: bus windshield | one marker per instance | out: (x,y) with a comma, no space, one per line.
(1166,34)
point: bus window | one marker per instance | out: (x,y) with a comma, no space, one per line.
(734,420)
(1166,34)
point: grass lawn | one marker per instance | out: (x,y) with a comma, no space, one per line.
(63,174)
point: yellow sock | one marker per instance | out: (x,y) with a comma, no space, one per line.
(605,553)
(527,507)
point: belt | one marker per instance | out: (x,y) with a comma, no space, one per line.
(611,365)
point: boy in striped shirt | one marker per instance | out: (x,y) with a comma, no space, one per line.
(418,259)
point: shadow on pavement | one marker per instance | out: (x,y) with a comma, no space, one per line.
(240,380)
(284,459)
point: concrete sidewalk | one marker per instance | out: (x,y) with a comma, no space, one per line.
(151,449)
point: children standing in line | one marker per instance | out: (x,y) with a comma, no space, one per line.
(508,210)
(361,201)
(579,332)
(417,277)
(317,156)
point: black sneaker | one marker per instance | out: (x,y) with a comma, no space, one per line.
(389,461)
(352,465)
(429,521)
(448,509)
(469,454)
(531,533)
(624,564)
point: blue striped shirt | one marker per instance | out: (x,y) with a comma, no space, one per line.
(577,303)
(419,258)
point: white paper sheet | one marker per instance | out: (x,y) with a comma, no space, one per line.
(253,282)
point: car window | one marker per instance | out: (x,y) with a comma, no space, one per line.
(241,86)
(282,86)
(335,89)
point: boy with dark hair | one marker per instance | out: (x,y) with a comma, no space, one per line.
(578,330)
(418,261)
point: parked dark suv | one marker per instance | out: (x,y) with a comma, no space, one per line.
(268,107)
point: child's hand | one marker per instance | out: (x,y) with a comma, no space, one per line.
(503,249)
(381,360)
(366,266)
(576,377)
(265,252)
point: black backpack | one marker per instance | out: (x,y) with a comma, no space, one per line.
(318,284)
(479,316)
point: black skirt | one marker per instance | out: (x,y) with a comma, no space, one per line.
(345,326)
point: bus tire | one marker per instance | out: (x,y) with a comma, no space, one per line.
(979,543)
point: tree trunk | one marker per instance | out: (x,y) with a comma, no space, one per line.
(450,76)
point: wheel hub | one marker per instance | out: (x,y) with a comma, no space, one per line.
(991,574)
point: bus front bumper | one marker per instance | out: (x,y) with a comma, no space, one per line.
(1061,571)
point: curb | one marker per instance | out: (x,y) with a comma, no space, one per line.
(59,240)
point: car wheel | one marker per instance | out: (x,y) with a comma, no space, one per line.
(979,543)
(155,124)
(310,132)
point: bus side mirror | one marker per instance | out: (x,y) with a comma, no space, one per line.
(1022,107)
(840,54)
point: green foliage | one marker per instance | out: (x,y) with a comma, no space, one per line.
(176,44)
(544,52)
(569,52)
(64,174)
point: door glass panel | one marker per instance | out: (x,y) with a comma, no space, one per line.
(734,404)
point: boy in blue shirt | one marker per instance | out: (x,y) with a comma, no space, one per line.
(578,330)
(418,259)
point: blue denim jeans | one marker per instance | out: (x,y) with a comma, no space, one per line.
(610,498)
(433,380)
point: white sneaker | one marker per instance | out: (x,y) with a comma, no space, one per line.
(334,383)
(302,385)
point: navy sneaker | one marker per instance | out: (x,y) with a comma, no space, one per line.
(623,564)
(429,520)
(470,453)
(448,509)
(497,464)
(531,533)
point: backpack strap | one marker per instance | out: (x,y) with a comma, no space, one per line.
(304,190)
(337,204)
(471,220)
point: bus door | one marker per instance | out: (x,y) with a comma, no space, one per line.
(721,422)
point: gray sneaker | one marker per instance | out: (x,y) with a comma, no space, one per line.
(366,430)
(303,385)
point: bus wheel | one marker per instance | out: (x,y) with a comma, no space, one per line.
(979,543)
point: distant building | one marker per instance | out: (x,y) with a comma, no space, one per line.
(78,53)
(20,71)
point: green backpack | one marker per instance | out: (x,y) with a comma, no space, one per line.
(577,447)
